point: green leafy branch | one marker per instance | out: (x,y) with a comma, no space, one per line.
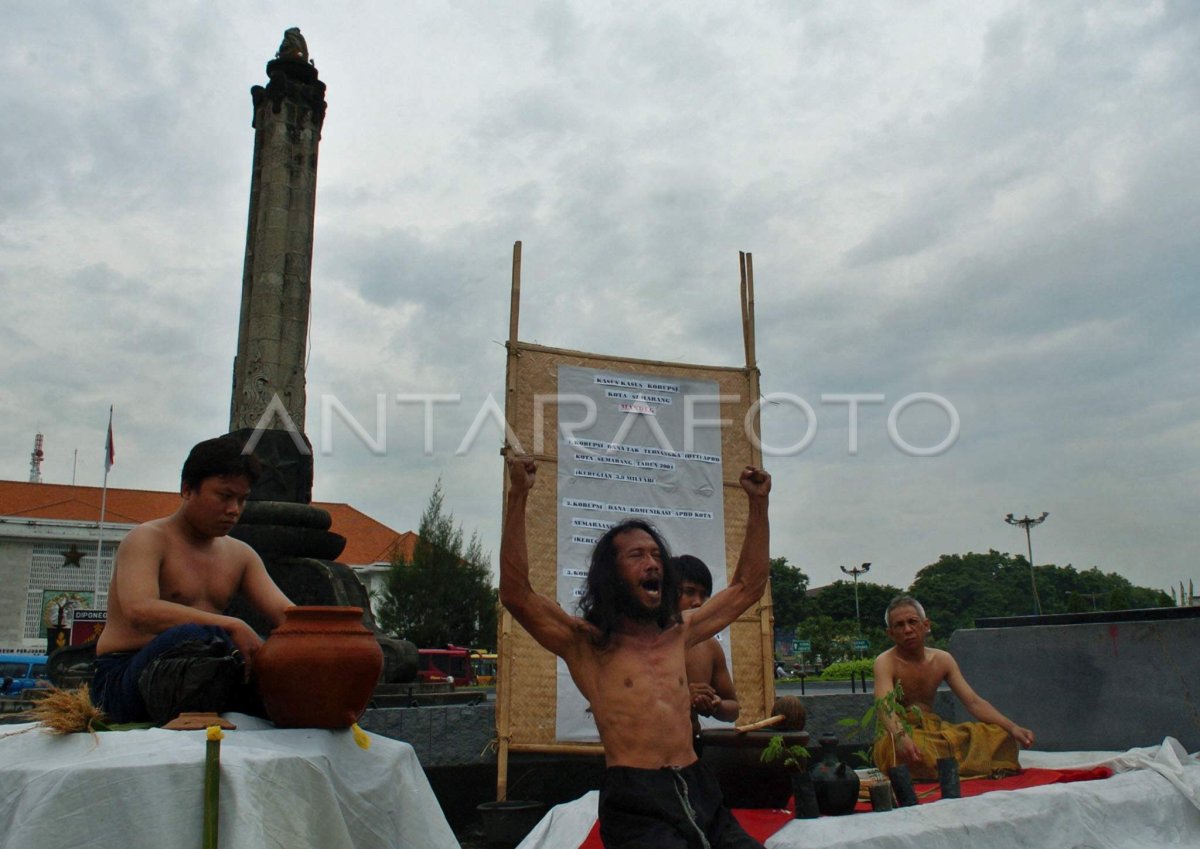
(793,757)
(874,723)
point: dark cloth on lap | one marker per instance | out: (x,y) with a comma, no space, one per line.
(201,658)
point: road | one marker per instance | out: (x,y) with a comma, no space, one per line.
(816,685)
(782,688)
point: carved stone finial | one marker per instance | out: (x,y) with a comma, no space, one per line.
(293,45)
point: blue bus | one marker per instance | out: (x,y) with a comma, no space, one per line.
(20,672)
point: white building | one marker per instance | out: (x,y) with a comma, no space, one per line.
(50,535)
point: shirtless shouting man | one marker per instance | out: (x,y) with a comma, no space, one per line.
(167,646)
(627,656)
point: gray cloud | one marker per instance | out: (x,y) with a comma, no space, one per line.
(995,203)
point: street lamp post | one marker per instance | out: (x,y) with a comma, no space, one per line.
(1028,523)
(866,567)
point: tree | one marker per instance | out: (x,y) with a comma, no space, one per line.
(837,602)
(444,593)
(961,588)
(788,586)
(831,641)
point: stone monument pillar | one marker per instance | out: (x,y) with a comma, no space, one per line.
(268,399)
(267,406)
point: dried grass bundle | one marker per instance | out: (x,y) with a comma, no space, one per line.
(66,711)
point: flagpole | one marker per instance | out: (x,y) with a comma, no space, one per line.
(108,461)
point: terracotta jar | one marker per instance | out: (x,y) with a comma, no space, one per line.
(319,668)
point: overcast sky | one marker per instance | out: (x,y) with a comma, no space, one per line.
(993,202)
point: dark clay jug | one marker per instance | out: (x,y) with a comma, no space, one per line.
(836,784)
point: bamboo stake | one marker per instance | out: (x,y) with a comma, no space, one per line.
(751,355)
(503,702)
(558,748)
(514,304)
(212,786)
(504,643)
(765,614)
(762,723)
(745,307)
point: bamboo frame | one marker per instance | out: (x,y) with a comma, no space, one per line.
(530,729)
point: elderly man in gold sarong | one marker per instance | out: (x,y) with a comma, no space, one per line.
(983,748)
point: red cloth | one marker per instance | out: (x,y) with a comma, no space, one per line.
(929,791)
(762,823)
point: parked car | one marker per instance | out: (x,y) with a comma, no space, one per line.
(20,672)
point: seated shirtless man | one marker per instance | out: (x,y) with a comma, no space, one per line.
(983,748)
(711,686)
(627,656)
(166,636)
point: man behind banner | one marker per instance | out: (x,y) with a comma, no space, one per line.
(627,656)
(984,748)
(713,693)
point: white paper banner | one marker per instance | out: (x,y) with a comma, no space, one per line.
(635,460)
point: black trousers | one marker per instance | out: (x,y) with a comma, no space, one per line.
(667,808)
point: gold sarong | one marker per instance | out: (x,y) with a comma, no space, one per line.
(981,749)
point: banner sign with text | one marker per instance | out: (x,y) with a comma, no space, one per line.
(633,446)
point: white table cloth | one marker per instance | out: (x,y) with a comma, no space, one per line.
(1153,800)
(280,789)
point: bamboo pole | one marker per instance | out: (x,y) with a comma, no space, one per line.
(514,304)
(766,617)
(504,642)
(745,309)
(503,704)
(751,355)
(558,748)
(212,786)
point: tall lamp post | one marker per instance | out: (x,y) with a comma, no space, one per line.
(866,567)
(1028,523)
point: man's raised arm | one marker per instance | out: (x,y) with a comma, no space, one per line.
(753,567)
(541,617)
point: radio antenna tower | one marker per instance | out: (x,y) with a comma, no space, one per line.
(35,460)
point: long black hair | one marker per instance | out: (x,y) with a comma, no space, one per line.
(604,594)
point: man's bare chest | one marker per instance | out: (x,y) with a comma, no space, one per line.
(918,678)
(641,665)
(197,578)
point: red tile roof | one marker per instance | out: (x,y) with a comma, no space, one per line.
(367,541)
